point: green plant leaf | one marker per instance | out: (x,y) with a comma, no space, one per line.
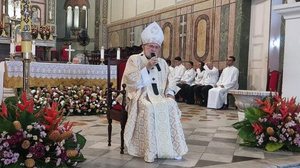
(246,133)
(80,140)
(272,146)
(11,107)
(253,114)
(6,125)
(79,158)
(15,165)
(248,144)
(293,148)
(26,119)
(240,124)
(70,144)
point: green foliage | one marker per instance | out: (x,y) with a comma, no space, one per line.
(11,107)
(26,119)
(272,146)
(69,143)
(6,125)
(246,133)
(240,124)
(253,114)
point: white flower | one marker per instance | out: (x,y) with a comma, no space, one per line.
(47,159)
(33,91)
(47,148)
(3,133)
(35,138)
(29,155)
(58,161)
(29,127)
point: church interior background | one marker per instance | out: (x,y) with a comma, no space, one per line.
(206,30)
(196,30)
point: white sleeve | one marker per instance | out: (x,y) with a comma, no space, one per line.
(145,80)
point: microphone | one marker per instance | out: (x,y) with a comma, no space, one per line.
(157,65)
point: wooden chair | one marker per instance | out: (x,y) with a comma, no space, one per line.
(116,113)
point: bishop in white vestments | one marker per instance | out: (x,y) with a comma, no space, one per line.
(153,129)
(217,96)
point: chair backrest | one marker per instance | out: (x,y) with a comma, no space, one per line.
(110,90)
(273,81)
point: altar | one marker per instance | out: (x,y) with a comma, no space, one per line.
(54,74)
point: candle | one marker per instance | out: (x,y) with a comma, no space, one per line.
(33,48)
(69,53)
(102,53)
(12,46)
(118,54)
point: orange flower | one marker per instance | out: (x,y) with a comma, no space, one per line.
(52,117)
(268,108)
(260,102)
(68,126)
(27,104)
(277,97)
(257,128)
(292,107)
(3,113)
(284,109)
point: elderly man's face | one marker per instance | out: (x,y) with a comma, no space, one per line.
(151,48)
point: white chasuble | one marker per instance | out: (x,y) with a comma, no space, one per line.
(153,127)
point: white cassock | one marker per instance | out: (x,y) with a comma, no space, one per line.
(218,96)
(210,76)
(189,76)
(153,128)
(178,72)
(198,77)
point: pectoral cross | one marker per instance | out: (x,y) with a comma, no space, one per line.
(70,53)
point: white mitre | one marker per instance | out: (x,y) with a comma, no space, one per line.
(152,34)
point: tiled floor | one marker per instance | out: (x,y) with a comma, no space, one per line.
(212,143)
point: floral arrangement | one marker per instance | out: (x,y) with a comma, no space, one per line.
(34,31)
(274,124)
(75,100)
(36,138)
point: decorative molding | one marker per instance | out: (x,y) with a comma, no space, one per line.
(97,25)
(289,11)
(51,11)
(205,55)
(170,26)
(104,23)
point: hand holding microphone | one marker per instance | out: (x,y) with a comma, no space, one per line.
(157,65)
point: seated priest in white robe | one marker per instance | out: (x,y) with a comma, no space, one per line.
(186,81)
(217,96)
(209,80)
(179,69)
(153,129)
